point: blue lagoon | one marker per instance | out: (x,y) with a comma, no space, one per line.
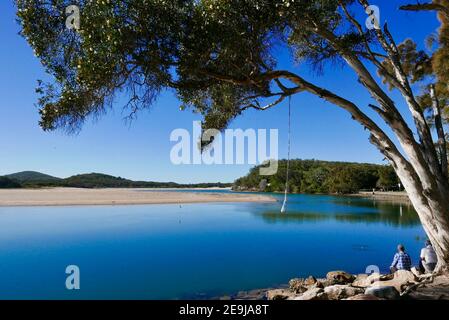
(198,250)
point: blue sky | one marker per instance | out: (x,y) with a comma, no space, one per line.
(142,150)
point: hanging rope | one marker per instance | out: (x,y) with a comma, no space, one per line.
(284,205)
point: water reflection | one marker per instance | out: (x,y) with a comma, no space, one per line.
(341,209)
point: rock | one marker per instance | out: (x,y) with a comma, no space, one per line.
(312,294)
(257,294)
(310,281)
(339,292)
(386,277)
(401,279)
(339,277)
(365,281)
(321,283)
(360,279)
(280,294)
(364,297)
(297,285)
(385,292)
(405,275)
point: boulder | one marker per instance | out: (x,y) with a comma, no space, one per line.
(385,277)
(360,280)
(312,294)
(404,279)
(365,280)
(339,277)
(320,284)
(401,279)
(364,297)
(257,294)
(280,294)
(339,292)
(297,285)
(386,292)
(310,281)
(405,275)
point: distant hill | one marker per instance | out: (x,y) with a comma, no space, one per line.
(6,183)
(32,179)
(31,176)
(97,180)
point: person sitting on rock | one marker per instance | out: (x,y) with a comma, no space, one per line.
(401,261)
(428,259)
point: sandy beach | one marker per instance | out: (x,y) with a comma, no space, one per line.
(74,196)
(394,197)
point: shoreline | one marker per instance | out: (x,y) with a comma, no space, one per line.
(392,197)
(383,196)
(117,196)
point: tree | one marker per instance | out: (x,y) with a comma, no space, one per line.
(218,56)
(6,183)
(387,178)
(314,180)
(421,66)
(314,176)
(344,181)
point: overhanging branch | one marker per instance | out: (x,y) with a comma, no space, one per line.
(425,7)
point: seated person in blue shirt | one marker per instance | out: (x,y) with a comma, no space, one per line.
(401,260)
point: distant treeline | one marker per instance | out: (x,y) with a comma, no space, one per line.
(30,179)
(313,176)
(8,183)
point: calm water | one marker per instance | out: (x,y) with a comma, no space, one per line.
(194,251)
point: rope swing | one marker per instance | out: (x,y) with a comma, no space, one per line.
(284,205)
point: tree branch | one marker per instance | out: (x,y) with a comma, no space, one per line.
(440,131)
(424,154)
(257,106)
(425,7)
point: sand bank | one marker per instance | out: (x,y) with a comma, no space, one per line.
(394,197)
(74,196)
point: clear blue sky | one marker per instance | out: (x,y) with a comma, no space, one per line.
(141,151)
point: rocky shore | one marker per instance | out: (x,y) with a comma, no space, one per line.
(340,285)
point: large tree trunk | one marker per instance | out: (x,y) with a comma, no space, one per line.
(438,234)
(442,148)
(433,213)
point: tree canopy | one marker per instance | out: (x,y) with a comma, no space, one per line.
(216,55)
(325,177)
(6,183)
